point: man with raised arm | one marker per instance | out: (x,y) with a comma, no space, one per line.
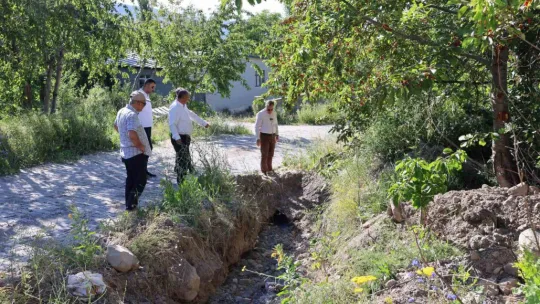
(181,127)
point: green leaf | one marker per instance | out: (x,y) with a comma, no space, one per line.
(447,151)
(482,142)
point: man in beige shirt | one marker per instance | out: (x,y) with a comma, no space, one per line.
(266,130)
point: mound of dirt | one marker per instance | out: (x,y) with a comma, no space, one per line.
(486,224)
(188,266)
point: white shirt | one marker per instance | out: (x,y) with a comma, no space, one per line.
(266,123)
(145,116)
(180,118)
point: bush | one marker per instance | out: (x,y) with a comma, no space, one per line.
(317,114)
(257,105)
(79,129)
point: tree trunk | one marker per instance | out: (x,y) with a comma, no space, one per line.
(143,63)
(503,161)
(28,98)
(47,91)
(59,69)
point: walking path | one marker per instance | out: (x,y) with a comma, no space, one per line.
(37,201)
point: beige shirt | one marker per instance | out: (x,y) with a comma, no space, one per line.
(266,123)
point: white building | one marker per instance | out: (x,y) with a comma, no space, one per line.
(241,98)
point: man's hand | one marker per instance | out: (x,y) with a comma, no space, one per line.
(141,147)
(277,138)
(207,126)
(258,142)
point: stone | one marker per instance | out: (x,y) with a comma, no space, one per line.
(397,213)
(475,256)
(490,288)
(507,284)
(528,241)
(390,284)
(479,241)
(521,189)
(235,281)
(534,190)
(497,270)
(121,258)
(86,284)
(272,287)
(511,270)
(184,281)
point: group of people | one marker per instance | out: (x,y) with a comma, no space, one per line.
(134,124)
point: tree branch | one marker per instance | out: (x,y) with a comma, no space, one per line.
(419,39)
(443,9)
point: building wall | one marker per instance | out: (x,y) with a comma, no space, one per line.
(161,88)
(240,98)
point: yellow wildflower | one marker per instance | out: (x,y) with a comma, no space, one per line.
(363,279)
(244,268)
(70,216)
(358,290)
(426,271)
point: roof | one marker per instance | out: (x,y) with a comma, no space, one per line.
(134,60)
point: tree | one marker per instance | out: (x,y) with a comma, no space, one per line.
(40,38)
(199,52)
(381,52)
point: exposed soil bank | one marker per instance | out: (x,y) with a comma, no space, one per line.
(189,267)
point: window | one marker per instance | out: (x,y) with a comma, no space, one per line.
(259,80)
(142,79)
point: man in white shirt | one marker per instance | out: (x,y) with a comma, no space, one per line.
(145,116)
(181,126)
(266,130)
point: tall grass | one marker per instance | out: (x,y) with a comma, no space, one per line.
(359,182)
(34,138)
(317,114)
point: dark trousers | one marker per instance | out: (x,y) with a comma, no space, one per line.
(148,132)
(135,180)
(268,145)
(183,162)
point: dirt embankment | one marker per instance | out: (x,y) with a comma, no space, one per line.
(186,266)
(486,224)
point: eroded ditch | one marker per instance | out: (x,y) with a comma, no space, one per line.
(190,268)
(255,278)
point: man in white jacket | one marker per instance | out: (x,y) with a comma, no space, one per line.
(181,127)
(266,130)
(145,116)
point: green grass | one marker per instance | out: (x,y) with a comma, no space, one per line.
(317,114)
(359,182)
(32,139)
(218,126)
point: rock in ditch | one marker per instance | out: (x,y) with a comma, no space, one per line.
(529,240)
(519,190)
(86,284)
(184,281)
(490,288)
(121,258)
(511,269)
(390,284)
(507,284)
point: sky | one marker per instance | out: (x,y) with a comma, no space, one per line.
(273,6)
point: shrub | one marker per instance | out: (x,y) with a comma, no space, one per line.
(257,105)
(317,114)
(82,128)
(529,265)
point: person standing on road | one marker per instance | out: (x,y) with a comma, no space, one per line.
(134,148)
(181,127)
(146,117)
(266,130)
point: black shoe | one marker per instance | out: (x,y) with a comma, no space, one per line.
(150,174)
